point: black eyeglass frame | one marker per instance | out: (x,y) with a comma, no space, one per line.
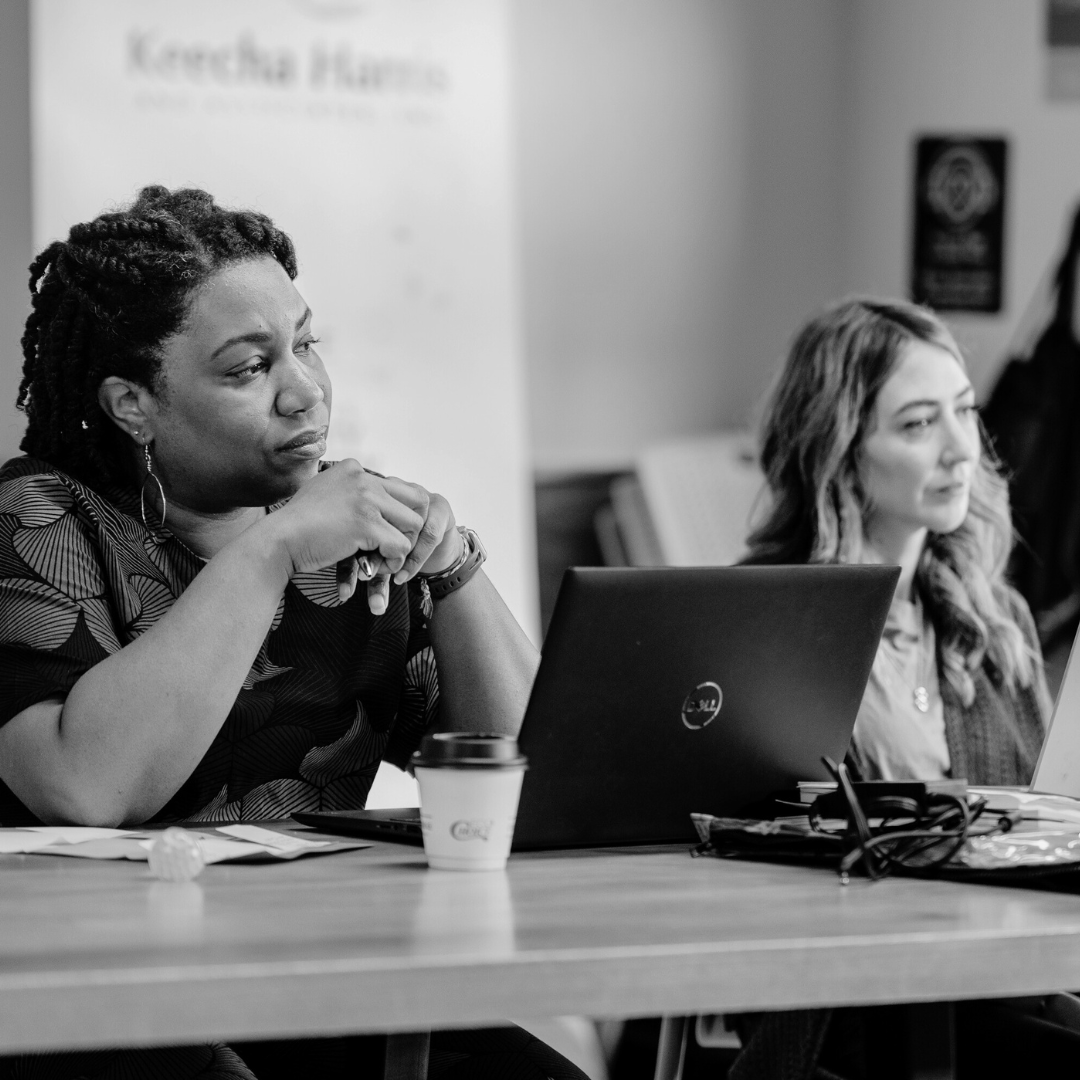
(926,836)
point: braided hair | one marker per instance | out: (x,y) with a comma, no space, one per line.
(103,303)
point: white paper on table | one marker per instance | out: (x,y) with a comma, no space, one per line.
(136,849)
(36,837)
(19,842)
(93,843)
(272,840)
(79,834)
(215,849)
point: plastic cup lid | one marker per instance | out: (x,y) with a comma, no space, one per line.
(469,749)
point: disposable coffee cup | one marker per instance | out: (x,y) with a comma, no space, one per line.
(469,788)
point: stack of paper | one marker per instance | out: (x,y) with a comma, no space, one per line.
(36,837)
(239,842)
(1031,805)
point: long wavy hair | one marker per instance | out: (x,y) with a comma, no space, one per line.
(818,413)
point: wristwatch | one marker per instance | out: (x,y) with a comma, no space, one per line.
(472,557)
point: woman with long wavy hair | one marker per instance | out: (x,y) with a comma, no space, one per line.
(872,450)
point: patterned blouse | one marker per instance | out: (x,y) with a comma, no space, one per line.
(333,691)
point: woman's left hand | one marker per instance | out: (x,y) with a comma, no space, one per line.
(436,546)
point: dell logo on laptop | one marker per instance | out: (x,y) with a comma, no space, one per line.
(701,705)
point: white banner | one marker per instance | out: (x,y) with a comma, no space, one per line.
(377,134)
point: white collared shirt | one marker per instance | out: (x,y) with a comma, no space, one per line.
(895,740)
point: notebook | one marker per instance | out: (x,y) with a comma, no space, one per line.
(670,691)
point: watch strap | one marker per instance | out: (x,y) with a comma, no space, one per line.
(472,557)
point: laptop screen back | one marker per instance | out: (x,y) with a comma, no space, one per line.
(668,691)
(1058,768)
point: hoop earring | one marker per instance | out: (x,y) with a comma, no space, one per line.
(142,490)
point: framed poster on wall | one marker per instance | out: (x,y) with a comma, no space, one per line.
(959,223)
(1063,50)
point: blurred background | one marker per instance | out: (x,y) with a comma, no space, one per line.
(557,248)
(677,184)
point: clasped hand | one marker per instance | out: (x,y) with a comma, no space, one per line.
(345,512)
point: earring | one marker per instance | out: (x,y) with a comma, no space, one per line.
(142,490)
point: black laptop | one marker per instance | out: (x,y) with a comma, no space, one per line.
(663,692)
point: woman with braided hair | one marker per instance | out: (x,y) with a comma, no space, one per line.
(179,634)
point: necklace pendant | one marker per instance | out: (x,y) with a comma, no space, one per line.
(922,699)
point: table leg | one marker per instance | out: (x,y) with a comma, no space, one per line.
(672,1048)
(931,1037)
(407,1055)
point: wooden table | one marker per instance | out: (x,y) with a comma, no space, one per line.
(95,953)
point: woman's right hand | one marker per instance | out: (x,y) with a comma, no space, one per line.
(345,510)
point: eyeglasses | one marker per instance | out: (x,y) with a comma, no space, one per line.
(908,835)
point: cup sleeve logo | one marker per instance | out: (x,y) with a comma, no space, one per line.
(471,830)
(702,705)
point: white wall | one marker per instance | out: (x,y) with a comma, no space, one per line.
(15,244)
(694,177)
(926,66)
(679,176)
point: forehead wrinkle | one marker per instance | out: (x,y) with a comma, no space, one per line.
(232,292)
(260,336)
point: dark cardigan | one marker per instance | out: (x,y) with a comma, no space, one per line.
(996,740)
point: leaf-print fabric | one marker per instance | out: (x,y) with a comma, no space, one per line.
(333,690)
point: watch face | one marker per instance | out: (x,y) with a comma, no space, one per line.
(474,542)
